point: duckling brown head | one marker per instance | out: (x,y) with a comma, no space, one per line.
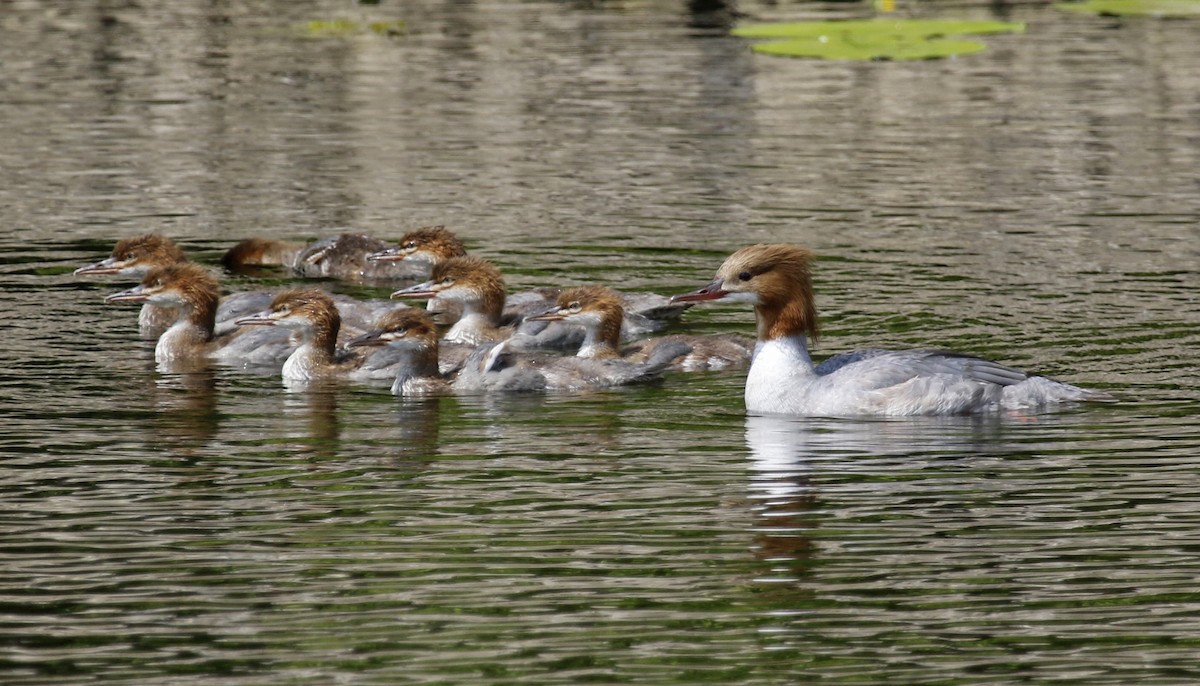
(136,256)
(429,244)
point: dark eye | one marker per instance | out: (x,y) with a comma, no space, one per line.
(411,245)
(447,281)
(574,306)
(744,276)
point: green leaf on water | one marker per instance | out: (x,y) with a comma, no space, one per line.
(873,39)
(349,27)
(1138,8)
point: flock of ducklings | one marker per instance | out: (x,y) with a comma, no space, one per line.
(471,336)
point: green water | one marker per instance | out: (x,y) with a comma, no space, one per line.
(1036,203)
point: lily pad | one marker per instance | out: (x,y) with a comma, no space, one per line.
(1138,8)
(349,27)
(873,39)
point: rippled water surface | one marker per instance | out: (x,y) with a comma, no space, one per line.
(1037,203)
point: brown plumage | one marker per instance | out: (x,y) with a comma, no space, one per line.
(598,311)
(317,308)
(189,294)
(136,255)
(261,252)
(428,244)
(414,333)
(475,284)
(780,275)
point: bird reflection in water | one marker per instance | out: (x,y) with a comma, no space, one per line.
(186,418)
(782,498)
(315,404)
(786,450)
(408,438)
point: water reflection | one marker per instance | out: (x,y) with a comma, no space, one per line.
(782,496)
(412,438)
(314,407)
(186,418)
(786,453)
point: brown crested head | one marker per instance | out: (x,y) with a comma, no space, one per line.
(150,249)
(436,242)
(472,279)
(595,307)
(185,285)
(601,302)
(777,277)
(258,252)
(589,298)
(406,324)
(311,304)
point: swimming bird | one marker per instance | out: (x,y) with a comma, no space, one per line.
(343,256)
(478,287)
(413,334)
(428,245)
(190,294)
(312,317)
(134,257)
(492,367)
(783,380)
(597,310)
(643,312)
(496,366)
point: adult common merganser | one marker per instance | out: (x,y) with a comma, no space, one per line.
(190,294)
(598,311)
(313,318)
(782,379)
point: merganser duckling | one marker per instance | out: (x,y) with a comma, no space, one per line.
(261,252)
(782,379)
(433,245)
(598,311)
(344,256)
(412,333)
(135,257)
(478,287)
(426,248)
(491,367)
(190,294)
(428,245)
(496,367)
(139,255)
(312,317)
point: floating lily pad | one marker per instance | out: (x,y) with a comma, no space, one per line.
(1141,8)
(349,27)
(873,39)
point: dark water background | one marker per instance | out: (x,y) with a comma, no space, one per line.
(1038,203)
